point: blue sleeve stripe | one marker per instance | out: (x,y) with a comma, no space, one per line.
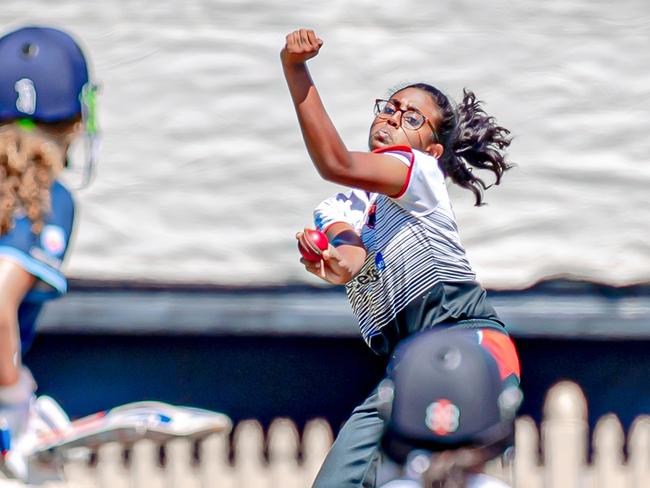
(45,273)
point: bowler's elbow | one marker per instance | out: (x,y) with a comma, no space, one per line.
(336,169)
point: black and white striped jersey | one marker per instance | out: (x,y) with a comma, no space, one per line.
(416,273)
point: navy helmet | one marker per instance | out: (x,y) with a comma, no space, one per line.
(443,391)
(44,77)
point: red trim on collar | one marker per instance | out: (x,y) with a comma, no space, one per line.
(403,148)
(406,149)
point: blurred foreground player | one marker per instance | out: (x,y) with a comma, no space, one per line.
(447,411)
(46,108)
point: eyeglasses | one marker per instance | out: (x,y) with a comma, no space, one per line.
(412,118)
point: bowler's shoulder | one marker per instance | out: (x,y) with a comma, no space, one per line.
(429,162)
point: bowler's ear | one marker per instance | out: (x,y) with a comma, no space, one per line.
(75,131)
(436,150)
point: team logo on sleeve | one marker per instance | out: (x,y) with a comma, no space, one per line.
(442,417)
(53,240)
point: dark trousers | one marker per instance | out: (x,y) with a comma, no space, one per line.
(353,458)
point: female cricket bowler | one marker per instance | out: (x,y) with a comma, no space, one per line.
(46,103)
(394,241)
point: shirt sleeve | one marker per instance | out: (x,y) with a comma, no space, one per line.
(42,254)
(350,207)
(424,188)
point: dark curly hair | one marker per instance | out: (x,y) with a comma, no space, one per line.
(470,138)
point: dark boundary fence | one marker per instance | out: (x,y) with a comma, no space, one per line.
(559,308)
(296,352)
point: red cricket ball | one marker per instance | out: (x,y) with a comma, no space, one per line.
(312,244)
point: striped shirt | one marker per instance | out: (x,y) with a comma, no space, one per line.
(415,258)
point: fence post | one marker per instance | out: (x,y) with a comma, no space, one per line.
(283,455)
(145,468)
(215,468)
(316,442)
(564,436)
(111,472)
(78,472)
(179,468)
(609,440)
(527,472)
(639,448)
(250,469)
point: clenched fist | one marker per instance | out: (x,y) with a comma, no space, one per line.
(300,46)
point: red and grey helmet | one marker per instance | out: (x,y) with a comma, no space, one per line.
(444,391)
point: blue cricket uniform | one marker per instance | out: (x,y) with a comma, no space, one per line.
(41,255)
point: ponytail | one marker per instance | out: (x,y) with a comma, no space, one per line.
(471,139)
(29,162)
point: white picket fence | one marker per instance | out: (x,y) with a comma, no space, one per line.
(282,459)
(563,459)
